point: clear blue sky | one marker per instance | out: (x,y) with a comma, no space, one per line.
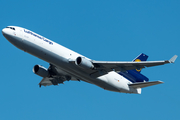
(101,30)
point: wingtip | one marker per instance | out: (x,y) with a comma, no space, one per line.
(173,59)
(160,82)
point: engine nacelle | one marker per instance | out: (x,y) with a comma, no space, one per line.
(41,71)
(84,63)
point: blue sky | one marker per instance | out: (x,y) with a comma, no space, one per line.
(101,30)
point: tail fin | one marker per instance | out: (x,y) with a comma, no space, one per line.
(141,57)
(135,75)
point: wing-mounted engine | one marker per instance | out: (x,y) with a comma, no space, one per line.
(41,71)
(84,63)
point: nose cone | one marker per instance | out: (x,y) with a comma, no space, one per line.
(7,34)
(3,31)
(10,35)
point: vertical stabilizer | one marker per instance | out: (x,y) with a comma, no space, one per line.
(135,75)
(141,57)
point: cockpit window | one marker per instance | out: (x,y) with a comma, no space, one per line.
(11,28)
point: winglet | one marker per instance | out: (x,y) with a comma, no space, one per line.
(172,60)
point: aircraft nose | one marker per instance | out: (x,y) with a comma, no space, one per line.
(7,34)
(4,31)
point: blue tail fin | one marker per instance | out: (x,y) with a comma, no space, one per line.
(141,57)
(135,75)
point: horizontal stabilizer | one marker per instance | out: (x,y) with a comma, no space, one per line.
(144,84)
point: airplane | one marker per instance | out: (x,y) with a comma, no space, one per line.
(65,64)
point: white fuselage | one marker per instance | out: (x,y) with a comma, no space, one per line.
(61,57)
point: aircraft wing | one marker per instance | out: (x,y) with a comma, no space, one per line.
(46,81)
(123,66)
(57,77)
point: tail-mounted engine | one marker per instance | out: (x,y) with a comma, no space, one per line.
(41,71)
(84,63)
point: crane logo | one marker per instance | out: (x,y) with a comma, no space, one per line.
(138,60)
